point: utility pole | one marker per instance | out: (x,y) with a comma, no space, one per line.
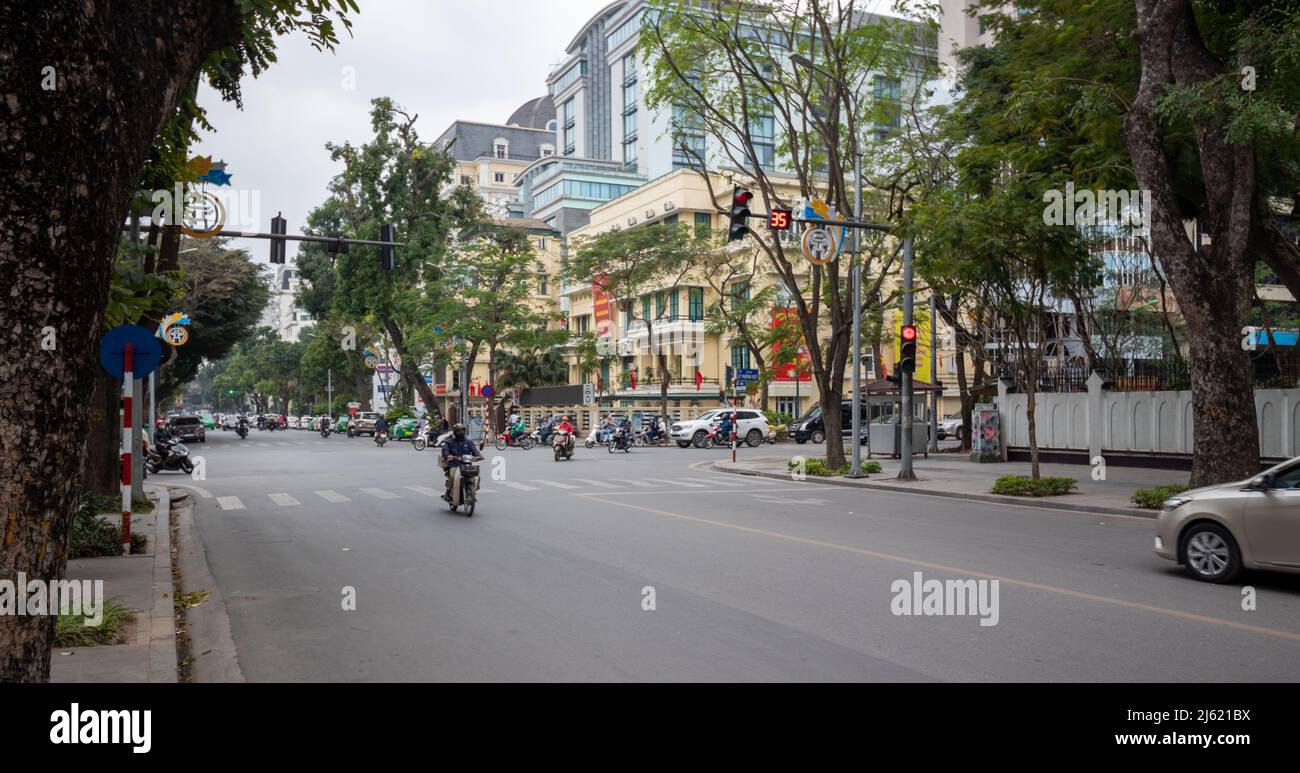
(329,392)
(855,471)
(934,377)
(905,441)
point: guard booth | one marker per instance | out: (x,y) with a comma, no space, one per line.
(884,436)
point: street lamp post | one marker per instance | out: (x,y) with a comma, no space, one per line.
(855,471)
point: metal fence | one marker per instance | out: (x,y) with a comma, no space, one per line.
(1272,371)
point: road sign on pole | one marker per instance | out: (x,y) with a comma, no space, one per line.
(146,351)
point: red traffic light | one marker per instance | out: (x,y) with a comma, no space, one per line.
(909,333)
(742,197)
(780,219)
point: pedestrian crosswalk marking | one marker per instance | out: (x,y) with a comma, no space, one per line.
(284,445)
(714,482)
(425,490)
(283,500)
(230,503)
(554,484)
(332,496)
(379,493)
(675,483)
(597,483)
(518,486)
(640,483)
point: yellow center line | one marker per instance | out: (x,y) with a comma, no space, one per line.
(967,572)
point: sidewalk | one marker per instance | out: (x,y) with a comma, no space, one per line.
(142,583)
(954,476)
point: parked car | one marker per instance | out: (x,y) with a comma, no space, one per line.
(751,427)
(1218,531)
(403,429)
(188,429)
(365,423)
(950,427)
(295,422)
(304,422)
(811,427)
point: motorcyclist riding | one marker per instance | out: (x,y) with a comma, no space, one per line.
(381,426)
(163,440)
(517,428)
(454,454)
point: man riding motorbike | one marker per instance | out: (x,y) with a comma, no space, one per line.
(562,434)
(455,451)
(163,440)
(381,426)
(517,427)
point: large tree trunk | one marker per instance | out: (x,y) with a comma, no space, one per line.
(410,371)
(1213,284)
(70,160)
(101,468)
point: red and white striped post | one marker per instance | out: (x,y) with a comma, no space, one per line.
(128,389)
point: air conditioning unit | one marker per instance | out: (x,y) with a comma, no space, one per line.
(631,221)
(649,214)
(669,206)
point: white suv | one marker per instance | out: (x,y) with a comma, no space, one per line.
(751,429)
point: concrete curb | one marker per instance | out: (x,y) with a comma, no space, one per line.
(212,645)
(162,627)
(1042,504)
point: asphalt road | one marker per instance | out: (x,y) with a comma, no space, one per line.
(753,579)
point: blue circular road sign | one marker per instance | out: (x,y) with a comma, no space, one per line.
(146,351)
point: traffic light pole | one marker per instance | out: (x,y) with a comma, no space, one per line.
(905,441)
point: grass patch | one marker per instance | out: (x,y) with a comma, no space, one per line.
(1152,498)
(1025,486)
(72,631)
(93,537)
(818,468)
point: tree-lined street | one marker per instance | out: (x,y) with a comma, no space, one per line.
(754,580)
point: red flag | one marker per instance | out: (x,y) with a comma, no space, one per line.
(699,380)
(634,380)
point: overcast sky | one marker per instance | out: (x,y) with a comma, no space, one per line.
(474,60)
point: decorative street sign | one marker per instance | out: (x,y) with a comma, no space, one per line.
(820,245)
(173,329)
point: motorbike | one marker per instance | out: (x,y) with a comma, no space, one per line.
(620,441)
(466,494)
(643,439)
(241,429)
(591,438)
(772,434)
(564,444)
(504,441)
(381,438)
(177,460)
(325,430)
(716,438)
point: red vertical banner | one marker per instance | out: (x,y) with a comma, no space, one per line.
(600,302)
(787,321)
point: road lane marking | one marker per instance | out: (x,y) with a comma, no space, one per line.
(553,484)
(284,445)
(596,483)
(640,483)
(675,483)
(518,486)
(332,496)
(284,500)
(230,503)
(425,490)
(201,491)
(379,493)
(959,571)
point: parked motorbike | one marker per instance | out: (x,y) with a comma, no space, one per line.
(178,458)
(591,438)
(564,444)
(504,441)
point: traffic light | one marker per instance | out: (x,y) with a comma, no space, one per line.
(731,377)
(388,253)
(907,354)
(279,226)
(780,219)
(894,378)
(338,246)
(740,199)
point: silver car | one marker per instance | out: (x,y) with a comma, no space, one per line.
(1217,531)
